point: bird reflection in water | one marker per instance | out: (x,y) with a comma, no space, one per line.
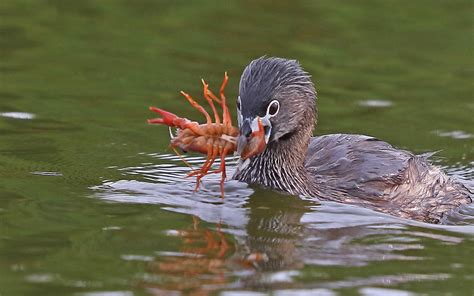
(210,260)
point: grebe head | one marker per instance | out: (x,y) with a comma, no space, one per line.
(277,95)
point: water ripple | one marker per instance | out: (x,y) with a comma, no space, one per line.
(271,242)
(18,115)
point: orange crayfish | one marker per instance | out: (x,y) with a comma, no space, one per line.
(214,139)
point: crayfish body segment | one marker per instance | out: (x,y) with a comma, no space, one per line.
(209,136)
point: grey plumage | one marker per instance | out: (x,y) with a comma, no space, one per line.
(352,169)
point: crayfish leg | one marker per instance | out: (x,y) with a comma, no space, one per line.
(208,159)
(204,170)
(209,100)
(197,106)
(224,84)
(195,128)
(227,120)
(222,169)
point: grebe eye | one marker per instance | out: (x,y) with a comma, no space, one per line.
(238,103)
(273,108)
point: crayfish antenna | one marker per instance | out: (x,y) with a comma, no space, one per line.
(171,133)
(182,158)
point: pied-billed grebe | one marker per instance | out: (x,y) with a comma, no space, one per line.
(352,169)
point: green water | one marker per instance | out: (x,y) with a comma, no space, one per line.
(91,203)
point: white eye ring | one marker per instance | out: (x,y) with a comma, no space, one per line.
(270,106)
